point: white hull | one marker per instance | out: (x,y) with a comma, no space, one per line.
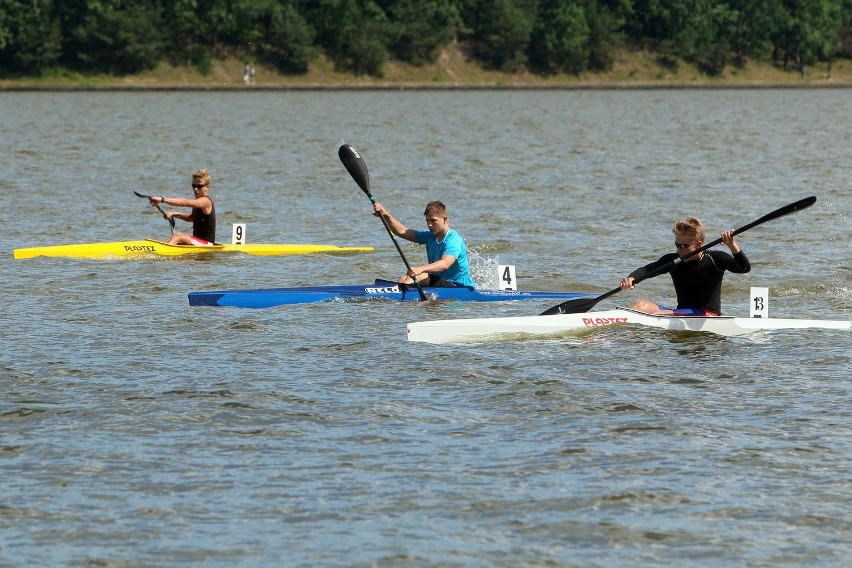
(484,329)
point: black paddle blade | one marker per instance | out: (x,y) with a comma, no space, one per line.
(578,306)
(137,194)
(354,164)
(786,210)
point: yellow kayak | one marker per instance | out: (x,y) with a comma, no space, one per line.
(151,248)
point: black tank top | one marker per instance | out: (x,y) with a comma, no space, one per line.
(204,226)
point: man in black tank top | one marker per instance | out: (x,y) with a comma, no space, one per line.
(202,216)
(698,278)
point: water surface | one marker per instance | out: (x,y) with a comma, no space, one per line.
(135,430)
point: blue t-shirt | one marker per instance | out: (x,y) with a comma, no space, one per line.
(453,245)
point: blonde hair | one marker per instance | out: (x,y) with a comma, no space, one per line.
(201,177)
(691,228)
(435,208)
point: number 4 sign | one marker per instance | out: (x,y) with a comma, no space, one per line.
(506,276)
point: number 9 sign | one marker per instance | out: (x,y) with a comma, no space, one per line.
(238,236)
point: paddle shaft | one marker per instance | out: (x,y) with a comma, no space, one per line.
(579,306)
(392,235)
(354,164)
(160,209)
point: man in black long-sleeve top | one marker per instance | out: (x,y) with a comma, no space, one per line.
(698,278)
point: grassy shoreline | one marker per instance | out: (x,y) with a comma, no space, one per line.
(452,70)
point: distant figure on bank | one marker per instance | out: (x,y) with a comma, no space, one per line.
(252,75)
(246,74)
(698,278)
(446,252)
(202,216)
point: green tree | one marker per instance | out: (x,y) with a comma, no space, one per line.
(30,37)
(606,21)
(127,36)
(287,42)
(576,35)
(844,38)
(113,36)
(753,25)
(560,38)
(699,31)
(421,28)
(502,30)
(814,26)
(199,30)
(183,30)
(709,36)
(354,33)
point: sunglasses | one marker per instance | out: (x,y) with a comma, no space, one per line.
(684,245)
(198,185)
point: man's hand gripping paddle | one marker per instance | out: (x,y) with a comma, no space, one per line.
(160,209)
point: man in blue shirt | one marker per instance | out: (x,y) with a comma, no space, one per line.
(446,252)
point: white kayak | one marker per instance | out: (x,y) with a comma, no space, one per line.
(485,329)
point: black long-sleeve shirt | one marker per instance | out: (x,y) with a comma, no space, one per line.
(698,283)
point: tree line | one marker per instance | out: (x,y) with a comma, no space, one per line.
(545,36)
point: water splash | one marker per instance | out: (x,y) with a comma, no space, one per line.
(483,270)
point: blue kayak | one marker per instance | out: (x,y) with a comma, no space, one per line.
(380,289)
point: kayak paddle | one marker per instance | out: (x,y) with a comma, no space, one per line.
(166,217)
(356,167)
(584,305)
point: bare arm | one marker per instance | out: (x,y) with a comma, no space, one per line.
(439,265)
(179,215)
(204,203)
(398,228)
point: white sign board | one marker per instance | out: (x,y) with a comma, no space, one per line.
(759,303)
(506,277)
(238,236)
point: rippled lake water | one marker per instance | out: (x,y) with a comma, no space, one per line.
(137,431)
